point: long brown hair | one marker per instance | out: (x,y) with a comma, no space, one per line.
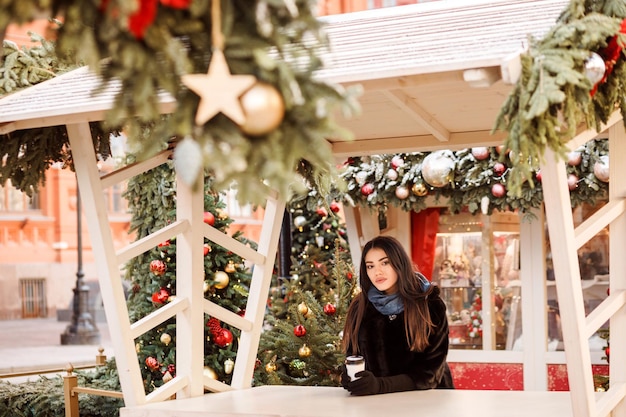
(417,321)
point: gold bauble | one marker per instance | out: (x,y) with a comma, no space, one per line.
(230,267)
(270,367)
(303,308)
(209,372)
(166,339)
(304,351)
(264,109)
(207,286)
(221,280)
(419,189)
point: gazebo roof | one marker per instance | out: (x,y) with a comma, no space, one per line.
(434,75)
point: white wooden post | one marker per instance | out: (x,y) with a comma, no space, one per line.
(569,290)
(109,273)
(259,290)
(617,263)
(189,284)
(534,301)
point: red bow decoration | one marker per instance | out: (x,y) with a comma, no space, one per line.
(610,54)
(139,21)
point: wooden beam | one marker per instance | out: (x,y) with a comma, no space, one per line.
(417,113)
(423,143)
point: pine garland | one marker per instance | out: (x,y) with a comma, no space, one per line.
(397,180)
(554,97)
(150,44)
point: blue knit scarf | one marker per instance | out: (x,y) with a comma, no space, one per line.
(391,304)
(387,304)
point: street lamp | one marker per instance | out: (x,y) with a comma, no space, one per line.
(82,329)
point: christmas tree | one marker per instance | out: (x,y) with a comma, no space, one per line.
(153,275)
(304,347)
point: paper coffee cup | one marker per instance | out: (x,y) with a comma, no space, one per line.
(354,365)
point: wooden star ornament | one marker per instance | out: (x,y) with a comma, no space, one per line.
(219,90)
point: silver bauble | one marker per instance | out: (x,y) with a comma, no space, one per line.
(594,68)
(402,192)
(438,168)
(299,221)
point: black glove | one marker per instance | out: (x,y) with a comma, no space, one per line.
(366,384)
(345,378)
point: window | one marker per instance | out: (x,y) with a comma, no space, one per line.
(33,294)
(12,199)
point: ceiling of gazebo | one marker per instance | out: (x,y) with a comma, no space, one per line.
(418,66)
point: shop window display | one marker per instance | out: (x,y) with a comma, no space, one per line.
(478,257)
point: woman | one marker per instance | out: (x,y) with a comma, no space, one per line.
(398,324)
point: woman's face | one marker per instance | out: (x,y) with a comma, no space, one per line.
(380,272)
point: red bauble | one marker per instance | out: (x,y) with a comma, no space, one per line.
(209,218)
(166,243)
(498,190)
(299,330)
(321,211)
(206,249)
(152,363)
(349,276)
(157,267)
(499,168)
(171,368)
(330,309)
(367,189)
(334,207)
(161,296)
(538,176)
(223,338)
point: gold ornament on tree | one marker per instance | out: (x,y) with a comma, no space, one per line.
(209,373)
(221,280)
(419,189)
(304,351)
(230,267)
(166,339)
(218,89)
(303,308)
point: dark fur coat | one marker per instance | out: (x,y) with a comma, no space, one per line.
(383,344)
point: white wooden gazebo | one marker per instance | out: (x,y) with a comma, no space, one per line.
(434,77)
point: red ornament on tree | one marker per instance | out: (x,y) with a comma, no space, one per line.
(498,190)
(161,296)
(367,189)
(152,363)
(538,176)
(334,207)
(330,309)
(223,338)
(299,330)
(158,267)
(321,211)
(209,218)
(499,168)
